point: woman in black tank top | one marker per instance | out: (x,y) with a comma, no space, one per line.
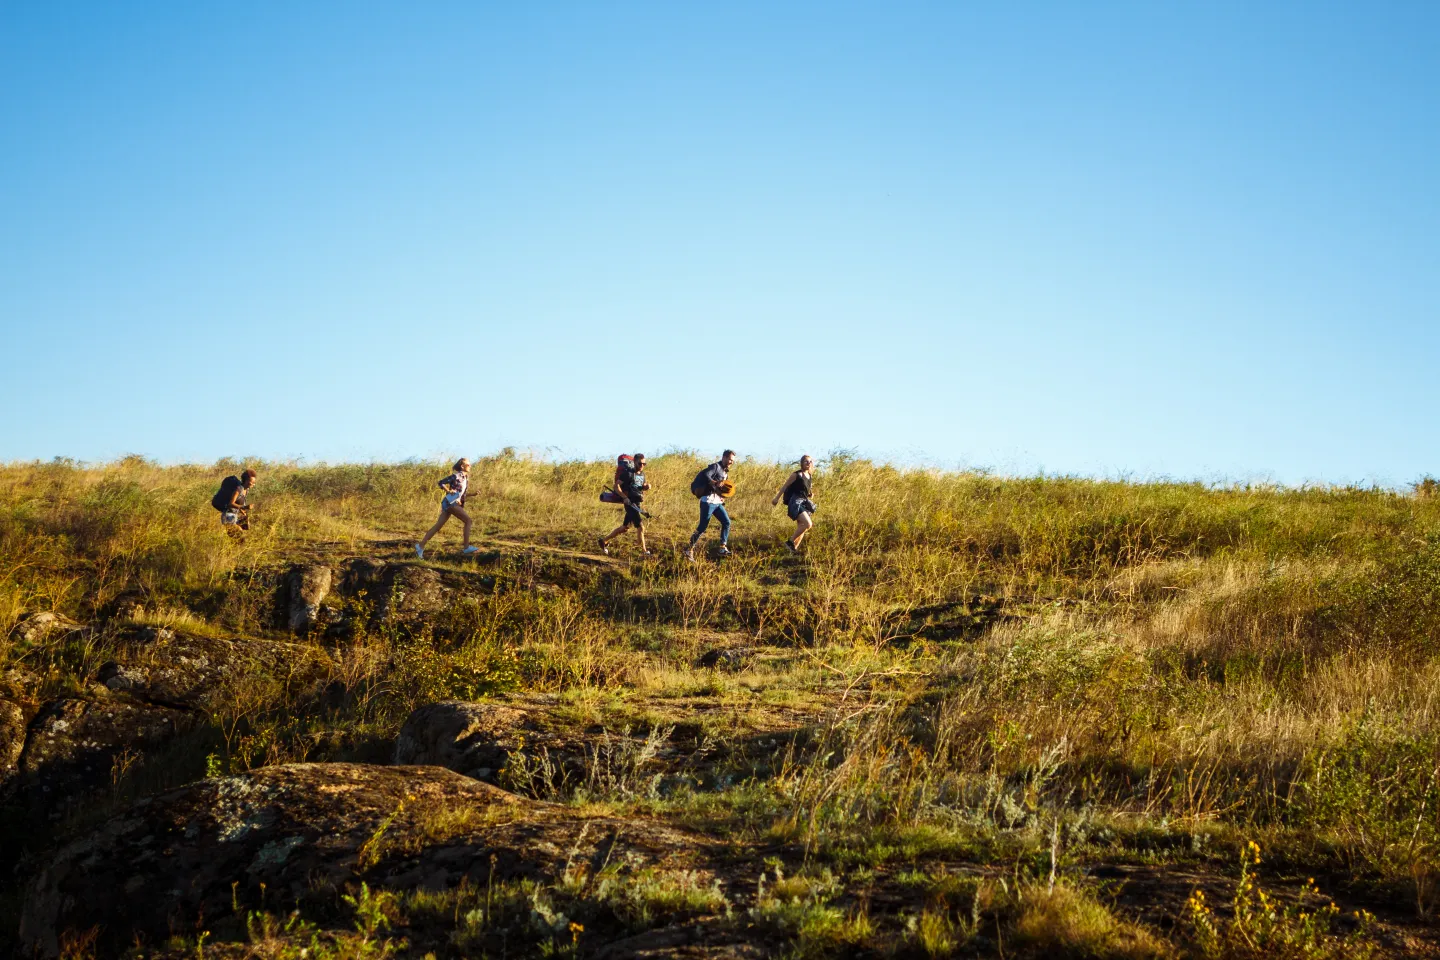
(796,494)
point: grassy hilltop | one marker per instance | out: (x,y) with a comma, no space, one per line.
(1018,717)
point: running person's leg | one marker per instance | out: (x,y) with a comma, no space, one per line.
(724,529)
(444,515)
(803,523)
(464,518)
(605,540)
(706,509)
(632,518)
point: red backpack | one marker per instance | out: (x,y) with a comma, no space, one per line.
(624,464)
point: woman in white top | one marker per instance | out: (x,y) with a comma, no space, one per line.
(451,505)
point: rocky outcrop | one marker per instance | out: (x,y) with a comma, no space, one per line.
(411,591)
(308,585)
(197,672)
(12,737)
(307,831)
(34,627)
(393,594)
(476,739)
(75,746)
(165,684)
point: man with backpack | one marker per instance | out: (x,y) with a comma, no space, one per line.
(232,503)
(629,489)
(712,485)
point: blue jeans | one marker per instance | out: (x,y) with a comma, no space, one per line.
(716,510)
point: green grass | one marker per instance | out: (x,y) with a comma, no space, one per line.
(1026,674)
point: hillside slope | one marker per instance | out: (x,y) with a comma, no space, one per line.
(1018,717)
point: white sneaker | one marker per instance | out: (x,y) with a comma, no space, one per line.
(470,549)
(419,551)
(690,553)
(724,550)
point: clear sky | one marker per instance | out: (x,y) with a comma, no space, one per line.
(1198,240)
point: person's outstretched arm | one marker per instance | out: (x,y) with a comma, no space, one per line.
(783,487)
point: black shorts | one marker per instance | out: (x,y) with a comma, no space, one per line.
(632,516)
(798,506)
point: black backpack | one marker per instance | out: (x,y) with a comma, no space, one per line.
(221,500)
(700,486)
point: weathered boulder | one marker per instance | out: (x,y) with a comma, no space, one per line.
(411,591)
(478,739)
(308,585)
(395,592)
(36,626)
(200,854)
(172,859)
(74,746)
(12,737)
(18,684)
(198,672)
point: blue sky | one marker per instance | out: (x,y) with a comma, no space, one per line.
(1195,240)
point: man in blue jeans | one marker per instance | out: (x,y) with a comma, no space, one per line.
(707,488)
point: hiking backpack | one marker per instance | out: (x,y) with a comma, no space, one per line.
(624,469)
(700,486)
(221,500)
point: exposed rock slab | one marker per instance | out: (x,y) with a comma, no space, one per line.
(397,591)
(475,739)
(523,744)
(305,831)
(308,585)
(73,746)
(34,627)
(165,685)
(411,591)
(197,672)
(12,737)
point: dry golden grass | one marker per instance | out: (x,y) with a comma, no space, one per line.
(984,656)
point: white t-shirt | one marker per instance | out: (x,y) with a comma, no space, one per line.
(717,474)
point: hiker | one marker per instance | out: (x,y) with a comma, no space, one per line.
(796,494)
(232,502)
(451,505)
(712,485)
(629,487)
